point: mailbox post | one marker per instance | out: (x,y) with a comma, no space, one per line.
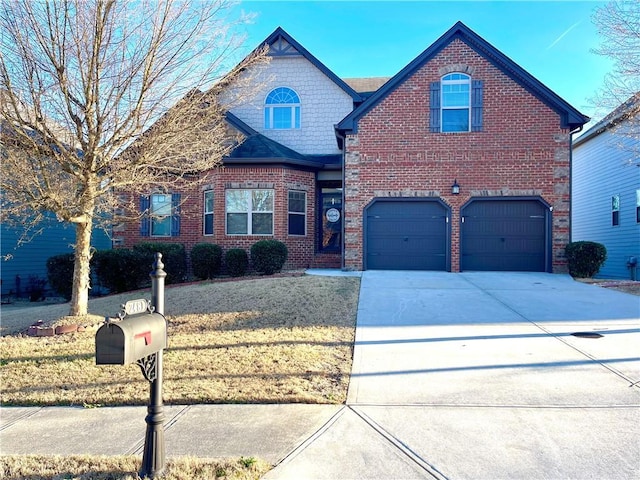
(153,457)
(140,337)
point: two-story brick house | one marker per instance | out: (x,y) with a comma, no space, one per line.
(461,161)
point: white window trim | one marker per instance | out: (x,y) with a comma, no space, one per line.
(615,207)
(294,108)
(443,82)
(302,214)
(249,211)
(154,217)
(205,213)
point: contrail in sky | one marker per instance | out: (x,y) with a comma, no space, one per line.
(564,33)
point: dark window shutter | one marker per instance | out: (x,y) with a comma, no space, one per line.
(434,107)
(175,214)
(145,221)
(476,105)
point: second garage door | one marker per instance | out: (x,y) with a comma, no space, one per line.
(504,235)
(406,235)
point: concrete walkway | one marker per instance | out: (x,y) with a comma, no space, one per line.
(455,376)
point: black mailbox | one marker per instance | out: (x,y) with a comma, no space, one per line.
(130,339)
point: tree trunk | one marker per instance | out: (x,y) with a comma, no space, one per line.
(81,269)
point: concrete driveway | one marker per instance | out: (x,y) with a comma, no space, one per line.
(482,376)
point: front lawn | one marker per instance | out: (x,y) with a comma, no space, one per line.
(87,467)
(268,340)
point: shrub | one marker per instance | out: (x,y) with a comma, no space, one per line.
(174,259)
(585,258)
(206,260)
(237,262)
(268,256)
(36,288)
(60,274)
(120,270)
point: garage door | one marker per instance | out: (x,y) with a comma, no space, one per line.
(504,235)
(406,235)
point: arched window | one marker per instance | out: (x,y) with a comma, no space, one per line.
(282,109)
(456,102)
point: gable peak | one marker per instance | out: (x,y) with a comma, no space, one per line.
(282,44)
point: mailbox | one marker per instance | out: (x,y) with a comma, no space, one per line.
(130,339)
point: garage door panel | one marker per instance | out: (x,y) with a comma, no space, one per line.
(406,245)
(503,263)
(504,235)
(406,235)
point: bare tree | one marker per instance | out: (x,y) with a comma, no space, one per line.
(101,96)
(618,24)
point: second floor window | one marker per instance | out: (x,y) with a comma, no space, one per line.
(282,109)
(456,102)
(615,210)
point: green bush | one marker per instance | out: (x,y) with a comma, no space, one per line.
(174,258)
(268,256)
(585,258)
(120,270)
(237,262)
(60,274)
(206,260)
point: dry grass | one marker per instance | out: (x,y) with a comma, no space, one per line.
(626,286)
(38,467)
(272,340)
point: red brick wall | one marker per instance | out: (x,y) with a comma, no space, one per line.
(522,151)
(281,180)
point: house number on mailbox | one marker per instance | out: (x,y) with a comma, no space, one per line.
(134,307)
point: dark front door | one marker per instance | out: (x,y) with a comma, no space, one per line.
(403,234)
(504,235)
(330,231)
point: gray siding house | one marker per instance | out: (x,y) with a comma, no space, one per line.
(606,189)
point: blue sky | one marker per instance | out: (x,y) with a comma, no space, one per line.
(551,40)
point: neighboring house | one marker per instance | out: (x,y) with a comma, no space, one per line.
(461,161)
(23,262)
(24,255)
(606,189)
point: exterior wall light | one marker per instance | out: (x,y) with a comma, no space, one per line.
(455,188)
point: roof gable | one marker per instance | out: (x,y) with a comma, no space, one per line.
(627,111)
(258,149)
(569,116)
(282,44)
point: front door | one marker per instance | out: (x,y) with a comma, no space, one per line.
(330,228)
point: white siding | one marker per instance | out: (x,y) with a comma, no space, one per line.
(605,166)
(323,104)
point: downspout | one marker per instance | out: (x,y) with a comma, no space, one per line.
(344,208)
(577,130)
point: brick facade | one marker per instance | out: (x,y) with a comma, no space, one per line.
(521,151)
(280,179)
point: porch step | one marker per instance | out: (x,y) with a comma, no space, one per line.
(326,260)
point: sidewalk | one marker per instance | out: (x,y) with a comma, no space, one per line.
(455,376)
